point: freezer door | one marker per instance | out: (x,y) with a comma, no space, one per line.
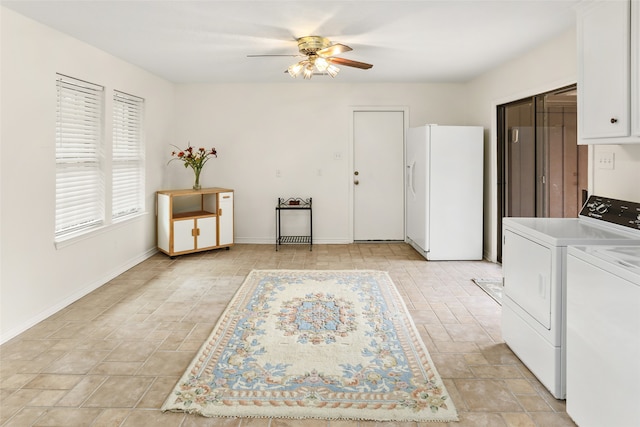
(455,204)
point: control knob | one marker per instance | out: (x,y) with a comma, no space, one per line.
(602,208)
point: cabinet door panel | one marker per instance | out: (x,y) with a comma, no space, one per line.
(225,217)
(183,239)
(207,237)
(604,72)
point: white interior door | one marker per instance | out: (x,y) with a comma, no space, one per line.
(378,175)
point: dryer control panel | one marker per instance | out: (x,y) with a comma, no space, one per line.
(614,211)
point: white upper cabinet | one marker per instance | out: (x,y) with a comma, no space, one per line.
(608,73)
(635,67)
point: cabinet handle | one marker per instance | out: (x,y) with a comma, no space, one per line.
(226,197)
(219,211)
(195,232)
(614,120)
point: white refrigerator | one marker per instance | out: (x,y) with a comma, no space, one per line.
(444,187)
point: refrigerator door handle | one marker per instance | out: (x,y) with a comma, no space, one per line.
(412,178)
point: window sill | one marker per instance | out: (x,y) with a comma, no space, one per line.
(89,233)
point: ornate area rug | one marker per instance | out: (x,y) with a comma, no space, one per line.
(493,287)
(314,344)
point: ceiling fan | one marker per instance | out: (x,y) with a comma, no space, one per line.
(320,58)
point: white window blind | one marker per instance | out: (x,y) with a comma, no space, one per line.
(79,175)
(128,155)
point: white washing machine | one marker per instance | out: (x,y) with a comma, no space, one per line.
(534,269)
(603,335)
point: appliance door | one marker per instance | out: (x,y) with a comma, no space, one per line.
(603,344)
(455,193)
(417,197)
(527,269)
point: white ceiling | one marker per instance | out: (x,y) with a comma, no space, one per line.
(407,41)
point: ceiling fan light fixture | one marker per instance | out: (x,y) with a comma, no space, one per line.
(307,73)
(295,69)
(320,58)
(321,64)
(332,70)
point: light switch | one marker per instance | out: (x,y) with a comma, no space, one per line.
(606,160)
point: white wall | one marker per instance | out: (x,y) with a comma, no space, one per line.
(623,181)
(550,66)
(297,128)
(36,279)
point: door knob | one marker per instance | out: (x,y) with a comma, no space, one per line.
(356,182)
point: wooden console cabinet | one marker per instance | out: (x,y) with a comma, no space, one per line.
(194,220)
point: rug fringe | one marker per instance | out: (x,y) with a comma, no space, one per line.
(264,417)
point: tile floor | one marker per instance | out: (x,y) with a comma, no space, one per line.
(111,358)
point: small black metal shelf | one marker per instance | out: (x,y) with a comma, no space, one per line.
(294,203)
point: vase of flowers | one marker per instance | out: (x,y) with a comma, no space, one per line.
(195,159)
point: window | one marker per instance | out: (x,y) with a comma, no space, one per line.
(127,163)
(96,174)
(79,165)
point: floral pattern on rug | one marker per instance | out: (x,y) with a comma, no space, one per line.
(314,344)
(317,318)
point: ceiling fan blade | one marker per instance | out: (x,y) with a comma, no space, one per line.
(334,49)
(350,63)
(261,55)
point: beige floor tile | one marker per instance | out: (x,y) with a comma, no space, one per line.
(452,365)
(167,363)
(54,381)
(68,417)
(533,403)
(157,393)
(25,417)
(82,390)
(111,417)
(198,421)
(119,392)
(47,398)
(255,422)
(480,419)
(496,371)
(116,368)
(16,381)
(552,419)
(520,386)
(153,418)
(76,362)
(518,419)
(132,351)
(113,357)
(487,395)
